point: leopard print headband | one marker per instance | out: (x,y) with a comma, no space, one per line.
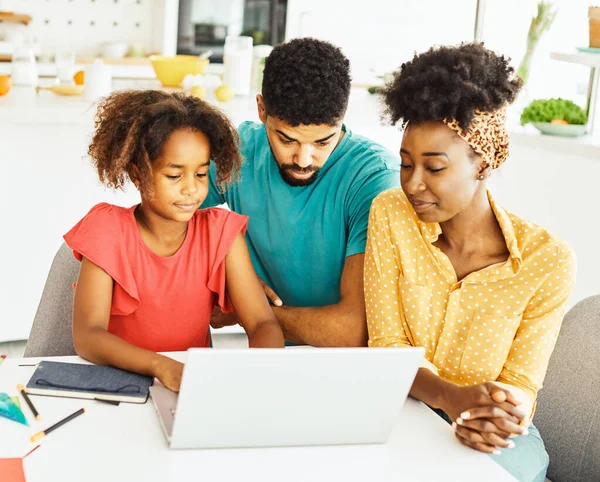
(487,135)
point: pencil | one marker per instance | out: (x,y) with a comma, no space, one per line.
(43,433)
(21,389)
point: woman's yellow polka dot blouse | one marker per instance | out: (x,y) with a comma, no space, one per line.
(496,324)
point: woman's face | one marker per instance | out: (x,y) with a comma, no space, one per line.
(440,172)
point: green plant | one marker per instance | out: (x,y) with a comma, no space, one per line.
(540,24)
(548,110)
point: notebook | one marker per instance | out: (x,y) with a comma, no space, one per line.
(75,380)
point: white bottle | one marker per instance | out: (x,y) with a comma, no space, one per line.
(24,67)
(98,81)
(237,60)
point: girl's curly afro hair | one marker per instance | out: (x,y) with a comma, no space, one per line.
(133,126)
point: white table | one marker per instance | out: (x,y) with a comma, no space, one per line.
(126,443)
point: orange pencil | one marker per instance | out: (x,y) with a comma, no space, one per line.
(43,433)
(21,389)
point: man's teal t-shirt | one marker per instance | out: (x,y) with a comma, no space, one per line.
(299,237)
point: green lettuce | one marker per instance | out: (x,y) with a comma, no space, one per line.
(546,110)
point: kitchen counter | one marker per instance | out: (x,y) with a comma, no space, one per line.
(136,69)
(23,106)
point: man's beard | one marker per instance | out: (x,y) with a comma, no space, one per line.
(292,181)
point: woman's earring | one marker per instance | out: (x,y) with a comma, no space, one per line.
(481,177)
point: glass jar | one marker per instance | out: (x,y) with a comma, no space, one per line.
(237,60)
(24,67)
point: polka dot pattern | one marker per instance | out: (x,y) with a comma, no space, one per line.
(497,324)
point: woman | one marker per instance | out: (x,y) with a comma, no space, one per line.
(482,290)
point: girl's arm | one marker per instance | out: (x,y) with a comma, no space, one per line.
(92,341)
(249,300)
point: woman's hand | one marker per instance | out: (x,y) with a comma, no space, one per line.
(169,372)
(486,428)
(484,416)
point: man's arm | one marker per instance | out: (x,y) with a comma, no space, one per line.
(342,324)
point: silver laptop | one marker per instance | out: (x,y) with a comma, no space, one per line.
(286,397)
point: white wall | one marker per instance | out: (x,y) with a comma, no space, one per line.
(381,34)
(559,192)
(46,187)
(378,35)
(505,28)
(85,24)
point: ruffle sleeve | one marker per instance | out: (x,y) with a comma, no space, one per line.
(102,237)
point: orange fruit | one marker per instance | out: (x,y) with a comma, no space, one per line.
(559,121)
(5,84)
(198,91)
(79,77)
(224,93)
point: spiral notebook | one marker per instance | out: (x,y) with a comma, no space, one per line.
(74,380)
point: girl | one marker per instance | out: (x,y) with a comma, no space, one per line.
(446,268)
(152,274)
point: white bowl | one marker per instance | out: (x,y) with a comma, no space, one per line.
(562,130)
(113,50)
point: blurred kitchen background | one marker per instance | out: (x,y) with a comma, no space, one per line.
(204,24)
(48,184)
(377,35)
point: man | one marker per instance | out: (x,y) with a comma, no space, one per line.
(307,185)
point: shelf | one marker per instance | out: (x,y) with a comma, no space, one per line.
(15,17)
(592,61)
(121,61)
(575,57)
(584,146)
(127,61)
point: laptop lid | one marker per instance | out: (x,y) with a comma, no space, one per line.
(272,397)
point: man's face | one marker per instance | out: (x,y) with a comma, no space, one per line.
(300,151)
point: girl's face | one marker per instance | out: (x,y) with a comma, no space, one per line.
(180,176)
(440,172)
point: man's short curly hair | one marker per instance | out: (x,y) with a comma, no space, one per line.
(306,81)
(450,83)
(133,126)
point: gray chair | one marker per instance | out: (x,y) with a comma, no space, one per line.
(568,407)
(51,333)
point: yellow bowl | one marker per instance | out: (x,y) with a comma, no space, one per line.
(172,70)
